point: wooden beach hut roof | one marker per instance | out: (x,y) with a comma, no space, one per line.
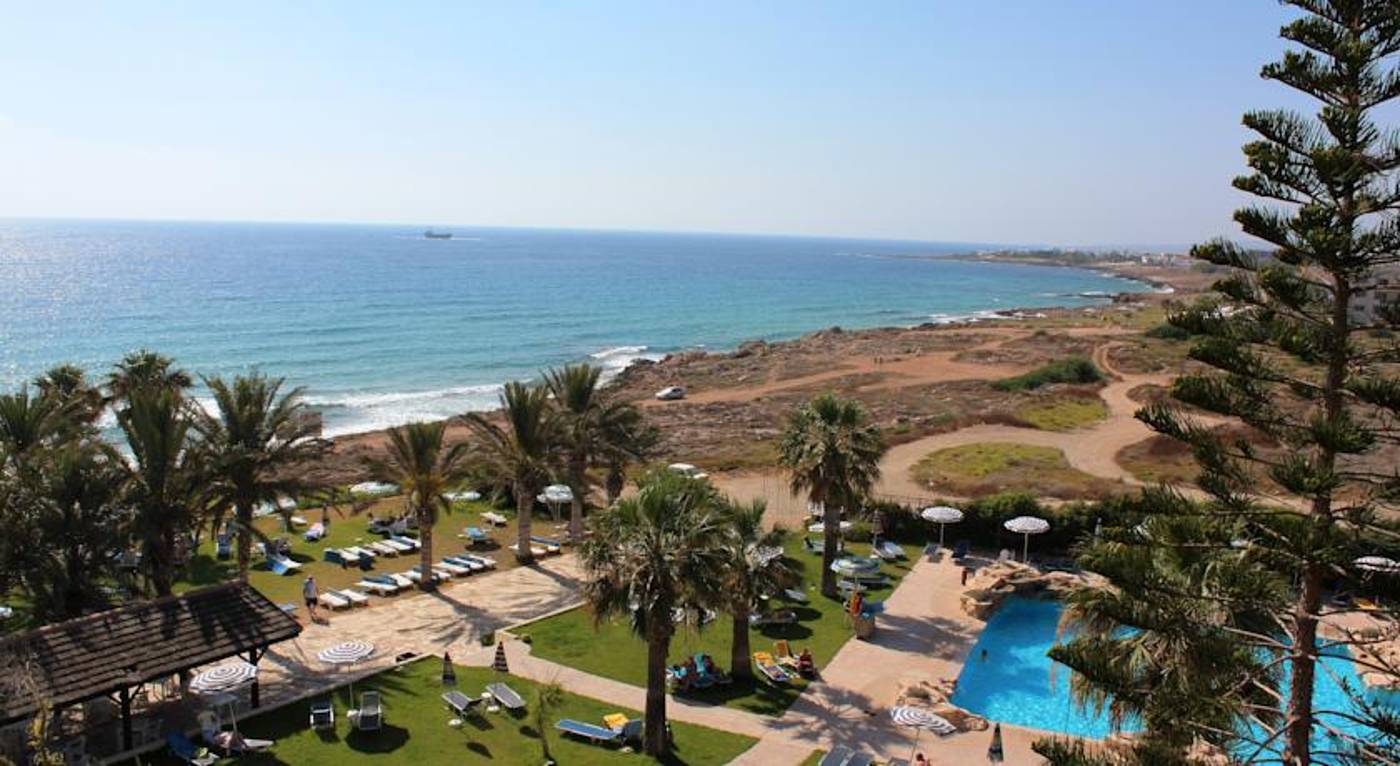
(111,652)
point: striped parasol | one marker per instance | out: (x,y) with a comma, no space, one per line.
(942,515)
(1377,564)
(995,753)
(499,665)
(223,678)
(346,653)
(918,718)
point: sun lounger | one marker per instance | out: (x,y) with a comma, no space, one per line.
(780,617)
(363,553)
(223,546)
(370,716)
(354,597)
(322,715)
(382,548)
(813,547)
(477,535)
(316,532)
(187,751)
(463,561)
(889,551)
(553,546)
(283,566)
(538,551)
(782,650)
(860,759)
(461,704)
(402,580)
(491,517)
(485,561)
(837,756)
(396,545)
(765,664)
(588,731)
(793,594)
(456,570)
(961,550)
(415,574)
(507,696)
(333,601)
(411,542)
(342,556)
(380,587)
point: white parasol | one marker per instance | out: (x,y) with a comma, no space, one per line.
(1027,526)
(224,678)
(1377,564)
(941,515)
(346,653)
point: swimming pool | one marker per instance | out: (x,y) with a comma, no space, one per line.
(1018,684)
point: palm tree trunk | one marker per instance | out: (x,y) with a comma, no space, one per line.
(739,665)
(831,522)
(425,552)
(615,482)
(243,512)
(578,467)
(524,503)
(654,740)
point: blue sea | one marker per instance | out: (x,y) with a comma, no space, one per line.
(383,326)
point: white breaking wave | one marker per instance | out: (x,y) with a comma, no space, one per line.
(615,360)
(359,412)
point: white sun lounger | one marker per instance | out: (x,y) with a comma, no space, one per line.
(333,601)
(494,518)
(381,588)
(355,598)
(364,553)
(461,561)
(383,548)
(403,580)
(485,561)
(538,551)
(397,546)
(456,570)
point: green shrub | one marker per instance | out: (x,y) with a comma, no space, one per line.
(860,532)
(1071,369)
(1166,331)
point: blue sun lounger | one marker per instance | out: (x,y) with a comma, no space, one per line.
(283,566)
(476,535)
(588,731)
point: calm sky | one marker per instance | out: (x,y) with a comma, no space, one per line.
(1018,121)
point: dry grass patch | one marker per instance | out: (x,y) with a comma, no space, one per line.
(987,468)
(1063,414)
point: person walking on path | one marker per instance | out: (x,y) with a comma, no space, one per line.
(309,595)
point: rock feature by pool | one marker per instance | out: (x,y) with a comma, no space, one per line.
(992,584)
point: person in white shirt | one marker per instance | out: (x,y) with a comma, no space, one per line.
(308,592)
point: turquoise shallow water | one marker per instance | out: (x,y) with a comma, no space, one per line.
(1019,684)
(383,326)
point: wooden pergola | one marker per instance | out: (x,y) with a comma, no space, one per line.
(113,654)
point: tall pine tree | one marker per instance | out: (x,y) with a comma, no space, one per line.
(1300,352)
(1299,345)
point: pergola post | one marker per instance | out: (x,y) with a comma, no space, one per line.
(253,697)
(127,740)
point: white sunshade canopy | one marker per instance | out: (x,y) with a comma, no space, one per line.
(942,514)
(850,566)
(557,493)
(346,653)
(1377,564)
(224,678)
(374,488)
(1027,525)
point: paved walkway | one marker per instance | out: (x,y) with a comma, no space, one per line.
(451,620)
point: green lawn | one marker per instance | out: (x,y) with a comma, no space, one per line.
(416,730)
(612,651)
(344,531)
(1064,414)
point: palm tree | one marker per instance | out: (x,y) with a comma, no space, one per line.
(523,453)
(164,484)
(252,444)
(27,422)
(630,439)
(145,369)
(588,421)
(67,384)
(755,568)
(424,468)
(652,554)
(833,452)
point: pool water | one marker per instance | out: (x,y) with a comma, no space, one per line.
(1017,683)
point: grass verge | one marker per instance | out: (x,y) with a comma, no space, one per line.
(988,468)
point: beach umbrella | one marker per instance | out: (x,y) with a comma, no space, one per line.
(766,553)
(346,653)
(499,664)
(1027,526)
(223,678)
(918,719)
(994,750)
(554,496)
(1377,564)
(941,515)
(449,673)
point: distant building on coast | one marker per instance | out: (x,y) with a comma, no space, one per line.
(1371,298)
